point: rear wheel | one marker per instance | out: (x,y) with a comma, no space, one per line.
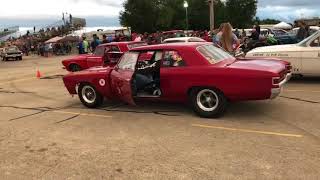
(75,68)
(208,102)
(89,96)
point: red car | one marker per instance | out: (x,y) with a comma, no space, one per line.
(196,73)
(105,54)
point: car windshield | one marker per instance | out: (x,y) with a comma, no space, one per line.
(214,54)
(134,45)
(304,42)
(11,49)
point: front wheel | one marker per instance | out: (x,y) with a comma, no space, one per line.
(208,102)
(89,96)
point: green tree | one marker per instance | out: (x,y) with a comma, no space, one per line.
(140,15)
(158,15)
(269,21)
(241,13)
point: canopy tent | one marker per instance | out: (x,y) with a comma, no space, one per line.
(54,40)
(282,25)
(59,39)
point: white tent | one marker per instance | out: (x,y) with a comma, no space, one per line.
(282,25)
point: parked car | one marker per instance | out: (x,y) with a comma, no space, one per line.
(11,52)
(304,56)
(183,39)
(199,74)
(105,54)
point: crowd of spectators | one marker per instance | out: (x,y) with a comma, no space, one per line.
(33,42)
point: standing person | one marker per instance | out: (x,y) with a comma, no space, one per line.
(307,30)
(255,36)
(237,33)
(138,38)
(95,43)
(104,39)
(85,45)
(302,33)
(80,46)
(243,34)
(216,38)
(228,40)
(110,38)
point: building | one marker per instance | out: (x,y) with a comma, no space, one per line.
(310,22)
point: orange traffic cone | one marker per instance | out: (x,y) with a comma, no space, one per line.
(38,74)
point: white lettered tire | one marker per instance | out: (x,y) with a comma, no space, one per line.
(208,102)
(89,96)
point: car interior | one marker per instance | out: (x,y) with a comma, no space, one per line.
(316,42)
(146,79)
(112,55)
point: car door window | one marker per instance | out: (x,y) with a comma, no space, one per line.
(172,59)
(114,49)
(315,43)
(99,51)
(128,61)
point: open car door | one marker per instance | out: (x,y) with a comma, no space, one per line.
(122,75)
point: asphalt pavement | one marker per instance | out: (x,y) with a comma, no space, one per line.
(47,134)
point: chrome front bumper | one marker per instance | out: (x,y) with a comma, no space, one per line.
(13,55)
(275,92)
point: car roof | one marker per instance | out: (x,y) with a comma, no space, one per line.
(171,46)
(183,39)
(123,43)
(172,31)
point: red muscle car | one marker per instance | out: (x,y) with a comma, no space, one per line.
(196,73)
(105,54)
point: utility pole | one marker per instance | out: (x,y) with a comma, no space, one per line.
(211,8)
(186,5)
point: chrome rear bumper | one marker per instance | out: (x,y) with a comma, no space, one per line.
(275,92)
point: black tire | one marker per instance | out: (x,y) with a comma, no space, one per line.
(89,96)
(5,59)
(20,58)
(74,68)
(208,102)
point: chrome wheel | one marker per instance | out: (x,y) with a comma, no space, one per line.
(88,94)
(207,100)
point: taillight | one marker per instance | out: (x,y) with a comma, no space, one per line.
(276,81)
(289,68)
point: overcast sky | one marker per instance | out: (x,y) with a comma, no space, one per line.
(105,12)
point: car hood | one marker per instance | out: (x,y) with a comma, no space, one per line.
(274,66)
(277,48)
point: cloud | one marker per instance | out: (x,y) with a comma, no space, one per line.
(287,13)
(288,10)
(98,11)
(38,9)
(289,3)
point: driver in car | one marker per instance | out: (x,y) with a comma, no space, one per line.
(144,76)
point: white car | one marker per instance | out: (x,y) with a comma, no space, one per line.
(304,56)
(183,39)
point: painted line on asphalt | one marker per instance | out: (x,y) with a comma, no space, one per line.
(17,80)
(81,114)
(248,131)
(288,90)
